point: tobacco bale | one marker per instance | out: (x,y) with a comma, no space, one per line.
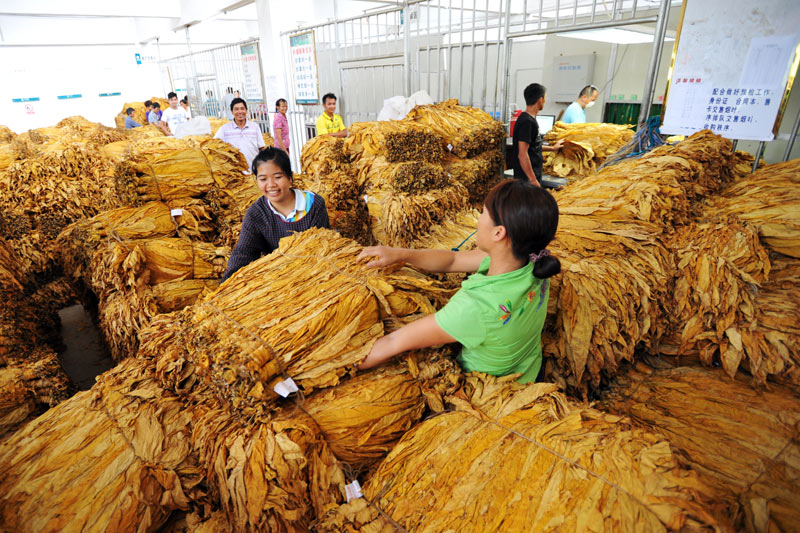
(514,457)
(713,300)
(586,147)
(29,385)
(395,140)
(114,458)
(740,441)
(399,219)
(6,135)
(467,131)
(769,199)
(322,155)
(242,342)
(176,294)
(406,177)
(478,174)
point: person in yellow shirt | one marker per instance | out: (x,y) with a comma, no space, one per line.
(329,123)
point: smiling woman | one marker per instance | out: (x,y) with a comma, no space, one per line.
(281,210)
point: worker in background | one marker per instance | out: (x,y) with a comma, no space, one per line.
(226,101)
(525,156)
(185,107)
(329,123)
(241,133)
(280,211)
(281,125)
(575,112)
(173,116)
(152,116)
(129,122)
(498,313)
(148,106)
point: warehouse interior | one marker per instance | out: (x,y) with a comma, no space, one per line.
(537,269)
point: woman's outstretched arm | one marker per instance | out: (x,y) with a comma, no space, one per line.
(421,333)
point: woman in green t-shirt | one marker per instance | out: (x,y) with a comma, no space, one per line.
(498,313)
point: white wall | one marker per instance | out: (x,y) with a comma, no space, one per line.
(48,72)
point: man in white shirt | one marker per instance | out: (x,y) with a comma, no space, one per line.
(172,116)
(575,112)
(241,133)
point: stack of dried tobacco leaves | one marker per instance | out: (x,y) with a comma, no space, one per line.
(524,458)
(243,343)
(327,171)
(141,261)
(769,199)
(741,441)
(586,147)
(64,181)
(31,376)
(615,265)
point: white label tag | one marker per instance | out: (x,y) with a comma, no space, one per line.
(353,491)
(450,147)
(286,387)
(176,212)
(366,199)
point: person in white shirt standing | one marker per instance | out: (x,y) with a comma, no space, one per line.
(241,133)
(173,116)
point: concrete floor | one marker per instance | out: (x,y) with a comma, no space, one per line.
(85,355)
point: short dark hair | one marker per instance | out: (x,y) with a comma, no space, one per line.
(530,216)
(277,156)
(171,94)
(148,103)
(238,101)
(185,100)
(129,111)
(533,92)
(278,103)
(156,105)
(327,96)
(587,91)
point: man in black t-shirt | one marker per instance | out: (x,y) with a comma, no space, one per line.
(526,153)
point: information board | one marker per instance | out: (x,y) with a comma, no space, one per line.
(733,65)
(304,68)
(252,72)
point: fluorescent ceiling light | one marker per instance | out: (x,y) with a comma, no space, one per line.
(612,35)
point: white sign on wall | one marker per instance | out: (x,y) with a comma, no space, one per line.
(304,68)
(252,72)
(738,98)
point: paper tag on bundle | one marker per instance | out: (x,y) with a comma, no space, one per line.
(450,147)
(245,172)
(176,212)
(286,387)
(353,491)
(366,199)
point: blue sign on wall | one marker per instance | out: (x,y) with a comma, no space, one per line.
(69,96)
(110,94)
(138,58)
(32,99)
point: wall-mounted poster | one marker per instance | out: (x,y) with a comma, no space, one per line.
(304,68)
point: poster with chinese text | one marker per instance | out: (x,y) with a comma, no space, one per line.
(304,68)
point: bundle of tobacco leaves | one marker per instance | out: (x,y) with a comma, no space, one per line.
(407,177)
(457,231)
(13,150)
(6,135)
(242,343)
(605,302)
(117,457)
(394,140)
(268,140)
(95,135)
(586,147)
(216,124)
(738,440)
(742,164)
(713,299)
(322,155)
(29,384)
(229,206)
(769,199)
(139,111)
(524,458)
(466,131)
(478,174)
(399,219)
(165,168)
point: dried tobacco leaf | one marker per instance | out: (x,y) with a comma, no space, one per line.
(586,147)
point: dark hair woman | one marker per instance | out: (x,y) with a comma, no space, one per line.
(279,212)
(498,313)
(281,125)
